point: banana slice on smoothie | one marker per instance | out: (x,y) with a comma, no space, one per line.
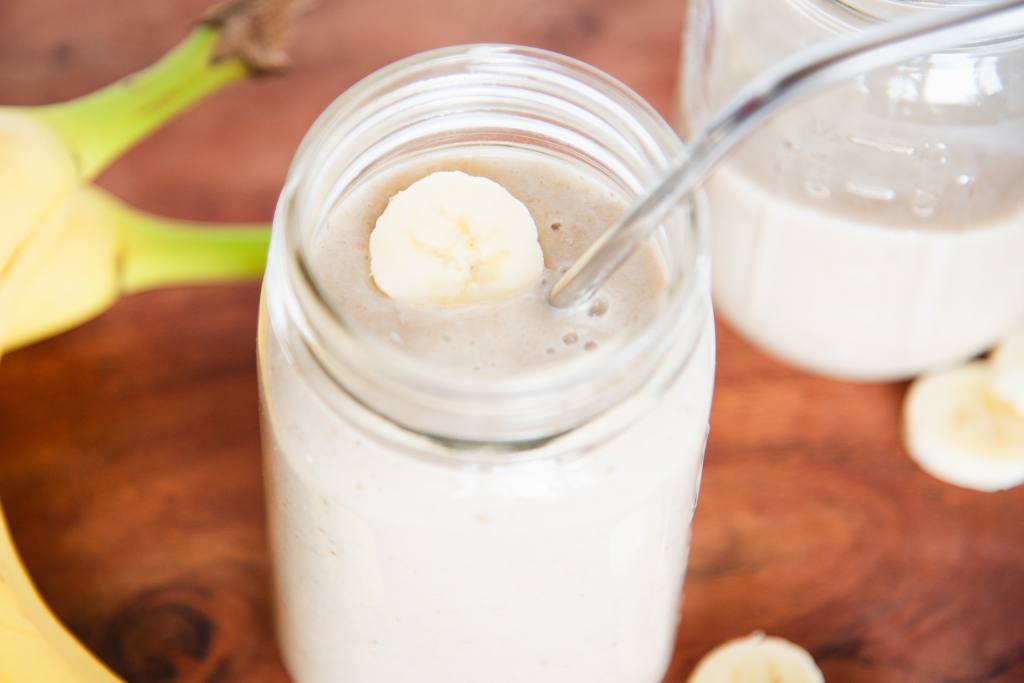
(1008,370)
(757,659)
(958,428)
(453,238)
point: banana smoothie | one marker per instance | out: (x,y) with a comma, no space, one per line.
(889,299)
(875,230)
(545,566)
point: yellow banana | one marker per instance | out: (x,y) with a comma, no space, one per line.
(96,128)
(34,646)
(97,248)
(66,250)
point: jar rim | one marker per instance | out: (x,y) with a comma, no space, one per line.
(854,14)
(345,351)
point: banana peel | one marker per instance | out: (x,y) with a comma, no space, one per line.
(99,249)
(34,646)
(68,250)
(36,174)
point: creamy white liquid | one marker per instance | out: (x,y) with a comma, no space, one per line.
(394,568)
(857,299)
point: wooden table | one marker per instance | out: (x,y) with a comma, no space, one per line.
(130,464)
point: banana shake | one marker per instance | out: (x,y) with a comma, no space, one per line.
(546,564)
(874,230)
(889,299)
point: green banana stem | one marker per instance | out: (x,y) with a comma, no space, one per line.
(159,252)
(100,126)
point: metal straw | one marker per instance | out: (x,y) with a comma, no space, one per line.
(806,73)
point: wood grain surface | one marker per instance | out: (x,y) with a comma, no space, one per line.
(129,452)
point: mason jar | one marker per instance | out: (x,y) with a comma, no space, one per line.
(435,526)
(876,230)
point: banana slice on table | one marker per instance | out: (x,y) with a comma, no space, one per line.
(959,429)
(1008,370)
(757,659)
(453,238)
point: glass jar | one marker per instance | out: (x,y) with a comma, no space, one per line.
(435,527)
(876,230)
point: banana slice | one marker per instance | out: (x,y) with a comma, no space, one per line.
(453,238)
(959,430)
(1008,371)
(757,659)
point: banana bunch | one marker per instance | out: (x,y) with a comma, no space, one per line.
(67,248)
(965,425)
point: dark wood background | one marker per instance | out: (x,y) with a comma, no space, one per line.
(129,453)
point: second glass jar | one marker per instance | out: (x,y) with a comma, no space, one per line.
(877,230)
